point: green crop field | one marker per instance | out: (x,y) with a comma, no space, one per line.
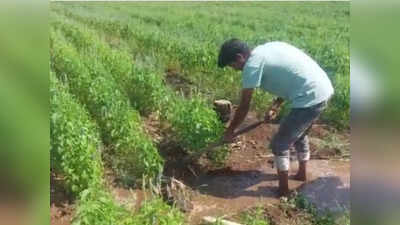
(115,64)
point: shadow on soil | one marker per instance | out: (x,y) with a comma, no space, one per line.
(61,203)
(59,197)
(227,183)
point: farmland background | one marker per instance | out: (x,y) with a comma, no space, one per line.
(185,37)
(114,65)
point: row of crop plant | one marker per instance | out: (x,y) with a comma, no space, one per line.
(227,84)
(75,140)
(192,120)
(188,54)
(75,143)
(76,155)
(133,153)
(144,88)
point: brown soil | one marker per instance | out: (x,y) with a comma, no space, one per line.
(176,80)
(61,204)
(130,197)
(247,178)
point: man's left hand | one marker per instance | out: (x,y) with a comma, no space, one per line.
(270,115)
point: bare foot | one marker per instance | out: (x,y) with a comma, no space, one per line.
(300,176)
(282,192)
(302,173)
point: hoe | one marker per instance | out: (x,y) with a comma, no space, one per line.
(209,148)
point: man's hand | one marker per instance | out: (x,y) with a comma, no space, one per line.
(228,136)
(271,114)
(240,114)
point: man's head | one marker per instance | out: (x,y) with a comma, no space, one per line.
(233,53)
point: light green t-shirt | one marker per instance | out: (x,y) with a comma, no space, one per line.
(286,71)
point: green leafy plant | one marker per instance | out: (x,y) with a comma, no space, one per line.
(74,140)
(255,216)
(121,128)
(96,206)
(156,211)
(195,123)
(145,89)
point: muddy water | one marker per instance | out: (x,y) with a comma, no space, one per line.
(232,191)
(330,188)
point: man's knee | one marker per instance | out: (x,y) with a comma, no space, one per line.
(302,145)
(282,163)
(279,148)
(303,156)
(281,152)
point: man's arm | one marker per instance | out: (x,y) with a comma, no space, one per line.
(240,113)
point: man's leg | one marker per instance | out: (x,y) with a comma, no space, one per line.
(280,145)
(293,128)
(302,145)
(303,155)
(282,162)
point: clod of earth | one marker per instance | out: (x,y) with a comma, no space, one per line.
(223,109)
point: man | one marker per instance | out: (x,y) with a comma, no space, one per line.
(287,72)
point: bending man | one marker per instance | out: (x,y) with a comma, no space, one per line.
(287,72)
